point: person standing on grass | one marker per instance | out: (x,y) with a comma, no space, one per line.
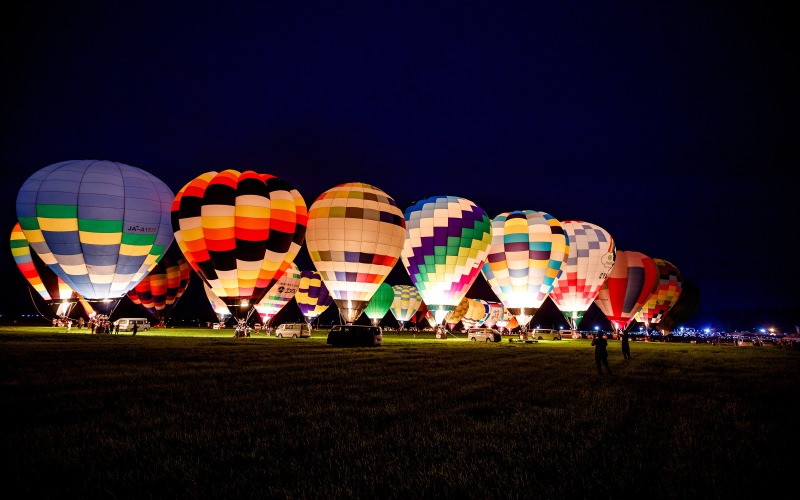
(601,353)
(626,347)
(135,328)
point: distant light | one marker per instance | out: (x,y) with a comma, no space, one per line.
(596,328)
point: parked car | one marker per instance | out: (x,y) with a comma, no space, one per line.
(355,335)
(126,324)
(484,335)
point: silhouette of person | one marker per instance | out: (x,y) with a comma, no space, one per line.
(626,348)
(136,328)
(600,353)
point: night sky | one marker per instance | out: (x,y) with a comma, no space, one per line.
(673,125)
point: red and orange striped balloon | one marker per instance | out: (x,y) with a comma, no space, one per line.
(239,231)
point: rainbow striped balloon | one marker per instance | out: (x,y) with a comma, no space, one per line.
(447,239)
(46,283)
(528,253)
(101,226)
(159,291)
(355,235)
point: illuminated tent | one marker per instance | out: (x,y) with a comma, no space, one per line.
(667,292)
(279,295)
(159,291)
(591,256)
(405,303)
(101,226)
(240,231)
(355,234)
(632,281)
(447,239)
(379,304)
(528,253)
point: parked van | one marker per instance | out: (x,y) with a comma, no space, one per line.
(293,331)
(483,334)
(126,324)
(544,334)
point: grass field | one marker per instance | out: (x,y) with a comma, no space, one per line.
(197,413)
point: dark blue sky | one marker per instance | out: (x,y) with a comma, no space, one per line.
(673,125)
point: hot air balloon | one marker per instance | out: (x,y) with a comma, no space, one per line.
(528,253)
(53,290)
(475,314)
(405,303)
(666,294)
(452,318)
(312,296)
(355,235)
(159,291)
(219,307)
(279,295)
(683,308)
(591,256)
(240,231)
(495,315)
(379,304)
(447,239)
(101,226)
(630,284)
(423,314)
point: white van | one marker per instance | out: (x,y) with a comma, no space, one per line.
(293,331)
(126,324)
(544,334)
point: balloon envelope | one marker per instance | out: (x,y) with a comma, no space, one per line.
(159,291)
(218,306)
(447,239)
(280,294)
(355,235)
(380,303)
(667,292)
(101,226)
(312,295)
(528,253)
(453,317)
(630,284)
(240,231)
(405,303)
(592,253)
(495,315)
(46,283)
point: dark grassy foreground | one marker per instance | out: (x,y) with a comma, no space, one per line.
(197,417)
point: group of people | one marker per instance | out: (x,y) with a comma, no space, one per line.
(601,351)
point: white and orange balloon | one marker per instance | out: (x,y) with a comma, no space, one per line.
(354,238)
